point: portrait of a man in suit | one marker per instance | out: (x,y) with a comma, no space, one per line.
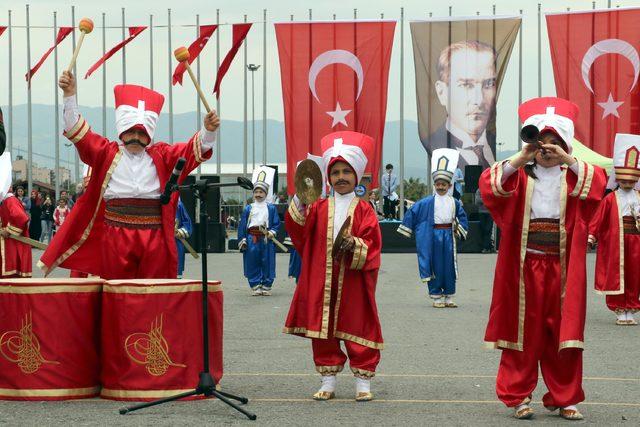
(466,88)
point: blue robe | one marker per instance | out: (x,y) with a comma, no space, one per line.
(259,258)
(436,247)
(182,221)
(295,263)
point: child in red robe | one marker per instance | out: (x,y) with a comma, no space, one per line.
(616,230)
(542,200)
(335,300)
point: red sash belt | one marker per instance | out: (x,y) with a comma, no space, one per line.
(544,235)
(629,224)
(256,233)
(134,213)
(442,226)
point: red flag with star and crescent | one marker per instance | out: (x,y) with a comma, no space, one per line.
(596,64)
(334,78)
(206,31)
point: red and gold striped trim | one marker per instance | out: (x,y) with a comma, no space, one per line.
(52,393)
(78,131)
(295,214)
(496,181)
(359,254)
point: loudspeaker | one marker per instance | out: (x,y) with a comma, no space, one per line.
(471,177)
(213,198)
(216,237)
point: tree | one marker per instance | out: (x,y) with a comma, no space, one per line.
(414,189)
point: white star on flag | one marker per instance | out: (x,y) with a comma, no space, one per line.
(610,107)
(339,116)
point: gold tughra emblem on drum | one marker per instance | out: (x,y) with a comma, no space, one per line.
(23,347)
(151,349)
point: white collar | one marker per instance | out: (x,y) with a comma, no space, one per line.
(467,141)
(344,197)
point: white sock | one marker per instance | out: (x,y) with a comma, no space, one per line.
(630,316)
(521,407)
(363,385)
(570,408)
(328,383)
(437,299)
(448,299)
(622,316)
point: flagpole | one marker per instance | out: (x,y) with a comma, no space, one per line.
(539,50)
(198,106)
(519,81)
(170,77)
(29,128)
(124,56)
(104,77)
(218,145)
(264,87)
(401,112)
(151,51)
(57,111)
(75,73)
(245,129)
(10,121)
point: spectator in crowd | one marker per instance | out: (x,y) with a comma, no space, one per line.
(373,201)
(458,183)
(26,202)
(46,219)
(65,195)
(389,196)
(486,224)
(35,209)
(61,212)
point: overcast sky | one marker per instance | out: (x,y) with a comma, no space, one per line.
(184,13)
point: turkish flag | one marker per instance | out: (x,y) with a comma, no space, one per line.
(206,31)
(240,32)
(2,30)
(133,33)
(334,78)
(596,64)
(63,32)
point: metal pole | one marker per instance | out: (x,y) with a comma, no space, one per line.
(29,130)
(124,55)
(608,4)
(519,81)
(355,13)
(151,51)
(253,118)
(75,73)
(10,121)
(170,76)
(539,50)
(104,78)
(310,15)
(198,106)
(245,135)
(218,145)
(56,118)
(264,88)
(401,112)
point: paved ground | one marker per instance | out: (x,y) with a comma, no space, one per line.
(433,369)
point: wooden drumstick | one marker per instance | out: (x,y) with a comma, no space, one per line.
(182,55)
(85,26)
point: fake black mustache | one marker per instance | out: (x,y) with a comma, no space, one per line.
(342,181)
(135,141)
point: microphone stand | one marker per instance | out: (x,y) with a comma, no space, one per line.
(206,384)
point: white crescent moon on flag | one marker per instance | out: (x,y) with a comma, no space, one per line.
(605,47)
(330,57)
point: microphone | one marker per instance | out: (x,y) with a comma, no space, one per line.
(171,185)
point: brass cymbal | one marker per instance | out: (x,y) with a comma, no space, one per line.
(308,181)
(340,237)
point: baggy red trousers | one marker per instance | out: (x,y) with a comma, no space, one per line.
(130,253)
(329,357)
(630,299)
(561,371)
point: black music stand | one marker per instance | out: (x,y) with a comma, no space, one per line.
(206,384)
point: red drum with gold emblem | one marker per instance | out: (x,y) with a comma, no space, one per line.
(151,339)
(49,338)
